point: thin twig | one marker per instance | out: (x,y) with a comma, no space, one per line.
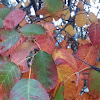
(37,45)
(24,60)
(93,67)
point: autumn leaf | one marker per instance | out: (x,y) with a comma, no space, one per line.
(4,12)
(70,29)
(80,5)
(92,17)
(32,29)
(12,49)
(12,38)
(65,55)
(64,44)
(94,80)
(87,53)
(81,18)
(9,75)
(45,70)
(64,72)
(53,5)
(85,96)
(13,19)
(46,43)
(66,13)
(28,89)
(94,31)
(21,53)
(2,6)
(83,41)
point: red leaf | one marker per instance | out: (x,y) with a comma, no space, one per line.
(87,53)
(46,43)
(13,48)
(21,53)
(13,18)
(94,33)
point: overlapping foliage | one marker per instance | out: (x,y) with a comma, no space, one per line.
(43,61)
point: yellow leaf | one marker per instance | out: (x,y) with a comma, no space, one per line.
(70,29)
(66,13)
(92,17)
(81,18)
(19,5)
(27,3)
(80,5)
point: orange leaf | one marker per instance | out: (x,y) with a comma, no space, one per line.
(87,53)
(65,55)
(64,72)
(85,97)
(82,42)
(2,6)
(64,44)
(42,12)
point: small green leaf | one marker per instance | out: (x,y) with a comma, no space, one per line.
(28,89)
(59,94)
(1,22)
(53,5)
(32,29)
(45,70)
(12,38)
(9,74)
(4,12)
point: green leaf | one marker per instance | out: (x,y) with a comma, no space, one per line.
(28,89)
(9,74)
(53,5)
(12,38)
(59,94)
(4,12)
(32,29)
(1,22)
(94,80)
(45,70)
